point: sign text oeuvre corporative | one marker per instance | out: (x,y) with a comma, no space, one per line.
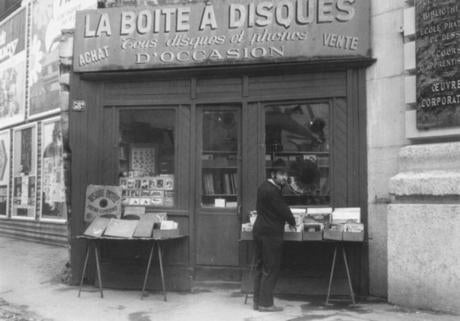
(212,33)
(438,63)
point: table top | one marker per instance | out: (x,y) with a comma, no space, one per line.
(163,238)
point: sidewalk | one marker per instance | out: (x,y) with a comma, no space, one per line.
(30,289)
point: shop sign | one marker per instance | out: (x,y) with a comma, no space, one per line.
(438,63)
(12,69)
(220,32)
(49,18)
(102,200)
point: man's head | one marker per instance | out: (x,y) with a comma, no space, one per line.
(279,176)
(279,172)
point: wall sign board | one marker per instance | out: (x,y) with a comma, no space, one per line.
(438,63)
(220,32)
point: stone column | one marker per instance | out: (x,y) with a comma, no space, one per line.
(424,228)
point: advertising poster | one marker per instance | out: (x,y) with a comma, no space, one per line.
(49,17)
(102,200)
(53,204)
(24,171)
(4,171)
(12,69)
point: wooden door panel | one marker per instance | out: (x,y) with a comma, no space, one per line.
(217,239)
(109,155)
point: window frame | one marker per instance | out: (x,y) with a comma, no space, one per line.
(34,152)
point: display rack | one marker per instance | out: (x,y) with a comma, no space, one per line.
(219,178)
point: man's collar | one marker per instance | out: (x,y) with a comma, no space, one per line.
(273,182)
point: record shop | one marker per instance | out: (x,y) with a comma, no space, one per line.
(188,106)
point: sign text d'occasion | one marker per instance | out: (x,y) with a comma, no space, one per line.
(223,32)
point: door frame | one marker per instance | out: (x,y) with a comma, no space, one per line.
(200,108)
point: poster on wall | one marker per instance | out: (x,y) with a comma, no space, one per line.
(12,69)
(438,63)
(102,200)
(24,171)
(143,159)
(49,18)
(53,204)
(4,171)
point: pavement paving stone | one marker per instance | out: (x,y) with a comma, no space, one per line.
(31,289)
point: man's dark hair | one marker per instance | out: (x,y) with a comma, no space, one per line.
(279,166)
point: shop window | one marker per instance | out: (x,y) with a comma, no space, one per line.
(219,157)
(147,156)
(24,171)
(4,171)
(297,138)
(53,204)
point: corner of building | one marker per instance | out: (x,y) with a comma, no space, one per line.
(385,130)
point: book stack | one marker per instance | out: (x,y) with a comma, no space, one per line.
(342,215)
(121,228)
(346,225)
(208,184)
(97,227)
(220,183)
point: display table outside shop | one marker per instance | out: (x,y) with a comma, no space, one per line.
(339,246)
(94,243)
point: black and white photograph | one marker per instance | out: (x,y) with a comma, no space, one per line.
(230,160)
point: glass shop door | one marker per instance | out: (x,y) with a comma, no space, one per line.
(218,184)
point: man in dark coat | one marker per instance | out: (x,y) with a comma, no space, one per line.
(272,214)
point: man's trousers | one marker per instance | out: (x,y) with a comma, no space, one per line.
(268,261)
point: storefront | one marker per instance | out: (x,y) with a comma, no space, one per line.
(187,107)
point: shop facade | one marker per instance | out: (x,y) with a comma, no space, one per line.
(206,102)
(34,93)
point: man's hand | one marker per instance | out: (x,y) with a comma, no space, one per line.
(292,228)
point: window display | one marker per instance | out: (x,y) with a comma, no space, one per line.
(297,137)
(24,171)
(53,204)
(219,158)
(146,157)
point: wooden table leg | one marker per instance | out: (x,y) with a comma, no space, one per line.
(98,268)
(84,268)
(331,275)
(160,259)
(147,271)
(348,275)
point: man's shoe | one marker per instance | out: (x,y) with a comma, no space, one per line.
(272,308)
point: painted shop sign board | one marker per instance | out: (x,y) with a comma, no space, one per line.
(438,63)
(102,200)
(222,32)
